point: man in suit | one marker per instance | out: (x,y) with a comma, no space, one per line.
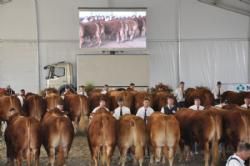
(170,107)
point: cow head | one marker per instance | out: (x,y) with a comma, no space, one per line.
(9,106)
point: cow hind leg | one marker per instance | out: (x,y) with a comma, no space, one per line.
(109,152)
(36,154)
(52,156)
(139,154)
(29,157)
(123,153)
(19,159)
(95,153)
(206,153)
(169,154)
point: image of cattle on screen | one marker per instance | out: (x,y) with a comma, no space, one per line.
(112,29)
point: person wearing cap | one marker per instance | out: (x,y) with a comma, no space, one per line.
(105,89)
(246,102)
(121,109)
(145,111)
(179,93)
(170,107)
(131,87)
(197,105)
(217,92)
(82,91)
(102,104)
(242,154)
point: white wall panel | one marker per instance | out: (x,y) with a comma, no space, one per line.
(206,62)
(18,66)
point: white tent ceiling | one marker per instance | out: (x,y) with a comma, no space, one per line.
(239,6)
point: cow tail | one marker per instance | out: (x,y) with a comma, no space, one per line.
(28,152)
(215,141)
(83,121)
(60,154)
(104,147)
(104,156)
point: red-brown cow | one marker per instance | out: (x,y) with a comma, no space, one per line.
(102,136)
(127,96)
(206,96)
(34,106)
(114,28)
(91,30)
(57,134)
(52,100)
(131,134)
(77,106)
(203,127)
(164,136)
(130,29)
(22,135)
(140,96)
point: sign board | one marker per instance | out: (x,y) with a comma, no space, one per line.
(237,87)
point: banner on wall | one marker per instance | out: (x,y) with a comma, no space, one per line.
(237,87)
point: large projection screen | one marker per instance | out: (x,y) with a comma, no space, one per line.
(114,70)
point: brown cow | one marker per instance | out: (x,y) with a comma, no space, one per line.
(235,123)
(160,99)
(77,106)
(164,136)
(52,100)
(94,99)
(203,127)
(234,97)
(206,96)
(139,97)
(131,27)
(131,134)
(22,135)
(102,136)
(57,135)
(34,106)
(114,28)
(127,96)
(91,30)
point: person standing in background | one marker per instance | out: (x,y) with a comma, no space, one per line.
(179,93)
(217,92)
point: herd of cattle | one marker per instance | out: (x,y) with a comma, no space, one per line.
(39,122)
(118,29)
